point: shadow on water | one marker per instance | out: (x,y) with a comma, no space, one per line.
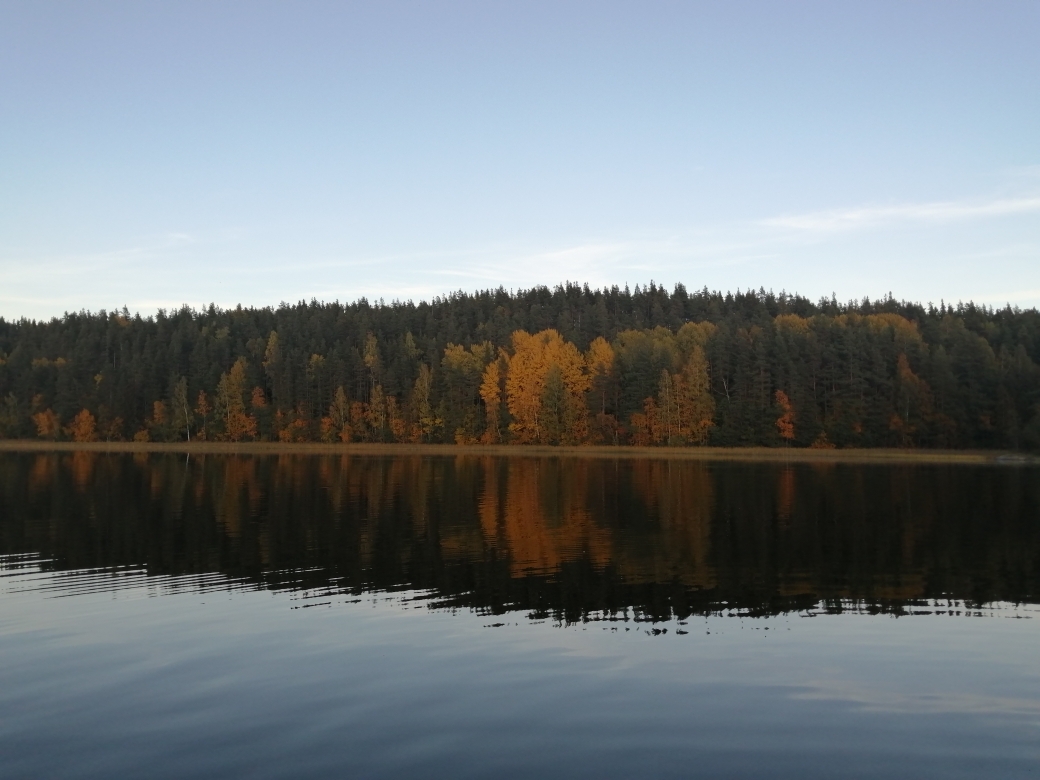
(566,539)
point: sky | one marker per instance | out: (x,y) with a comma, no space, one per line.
(160,154)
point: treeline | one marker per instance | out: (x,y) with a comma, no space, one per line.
(564,366)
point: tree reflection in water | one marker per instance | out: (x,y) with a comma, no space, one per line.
(566,538)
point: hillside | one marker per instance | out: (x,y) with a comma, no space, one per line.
(570,365)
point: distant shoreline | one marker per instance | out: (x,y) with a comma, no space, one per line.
(749,454)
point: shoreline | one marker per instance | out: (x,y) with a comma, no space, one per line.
(747,454)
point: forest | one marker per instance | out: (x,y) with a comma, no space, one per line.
(569,365)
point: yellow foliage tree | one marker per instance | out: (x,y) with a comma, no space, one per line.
(603,385)
(600,361)
(230,390)
(685,406)
(337,424)
(694,334)
(491,395)
(540,416)
(427,421)
(698,413)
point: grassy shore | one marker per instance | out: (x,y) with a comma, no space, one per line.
(767,454)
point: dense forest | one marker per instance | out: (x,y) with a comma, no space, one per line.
(568,365)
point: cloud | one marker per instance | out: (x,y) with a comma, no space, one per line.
(873,699)
(839,220)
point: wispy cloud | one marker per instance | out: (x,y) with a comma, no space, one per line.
(838,220)
(18,265)
(873,699)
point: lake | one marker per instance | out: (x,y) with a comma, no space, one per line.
(316,616)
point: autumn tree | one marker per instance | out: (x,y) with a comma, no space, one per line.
(83,427)
(426,421)
(238,425)
(698,404)
(492,390)
(530,405)
(692,335)
(685,407)
(47,424)
(603,390)
(785,422)
(968,378)
(293,427)
(336,425)
(645,426)
(202,410)
(669,408)
(395,421)
(262,412)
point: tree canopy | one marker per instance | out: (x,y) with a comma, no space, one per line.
(569,365)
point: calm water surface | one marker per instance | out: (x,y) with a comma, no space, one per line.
(304,616)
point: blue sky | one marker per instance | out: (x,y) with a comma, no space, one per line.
(153,154)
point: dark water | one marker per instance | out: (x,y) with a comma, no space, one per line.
(299,616)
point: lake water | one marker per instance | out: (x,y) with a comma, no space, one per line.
(306,616)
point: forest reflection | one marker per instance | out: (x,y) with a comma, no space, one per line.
(566,538)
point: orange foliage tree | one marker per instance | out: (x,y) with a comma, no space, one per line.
(785,422)
(645,425)
(47,424)
(698,404)
(83,427)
